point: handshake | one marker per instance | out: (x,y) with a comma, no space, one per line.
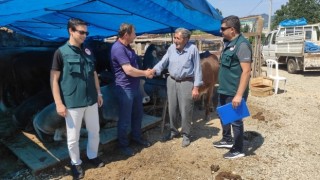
(149,73)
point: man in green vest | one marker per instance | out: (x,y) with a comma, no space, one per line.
(76,92)
(234,75)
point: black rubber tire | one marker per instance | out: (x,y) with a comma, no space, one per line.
(292,66)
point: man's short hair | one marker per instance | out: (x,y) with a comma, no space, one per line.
(73,22)
(184,32)
(232,21)
(125,28)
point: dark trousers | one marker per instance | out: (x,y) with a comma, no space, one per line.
(130,113)
(237,126)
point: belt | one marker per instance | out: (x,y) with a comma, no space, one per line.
(182,79)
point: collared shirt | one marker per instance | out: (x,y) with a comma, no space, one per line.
(183,64)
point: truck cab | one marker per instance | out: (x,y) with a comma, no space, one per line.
(287,46)
(269,47)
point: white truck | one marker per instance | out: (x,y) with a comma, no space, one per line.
(287,46)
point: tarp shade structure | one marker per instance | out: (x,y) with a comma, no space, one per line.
(47,20)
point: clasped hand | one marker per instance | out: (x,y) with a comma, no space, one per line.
(150,73)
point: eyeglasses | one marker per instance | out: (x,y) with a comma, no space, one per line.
(82,32)
(224,28)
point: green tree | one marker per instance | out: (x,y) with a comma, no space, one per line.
(295,9)
(197,32)
(245,29)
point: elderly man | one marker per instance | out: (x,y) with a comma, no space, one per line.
(183,62)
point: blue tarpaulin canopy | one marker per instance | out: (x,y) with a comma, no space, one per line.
(47,20)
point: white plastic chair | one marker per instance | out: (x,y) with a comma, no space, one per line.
(274,74)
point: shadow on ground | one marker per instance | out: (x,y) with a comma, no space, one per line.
(252,141)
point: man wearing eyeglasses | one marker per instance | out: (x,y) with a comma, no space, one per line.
(234,75)
(76,92)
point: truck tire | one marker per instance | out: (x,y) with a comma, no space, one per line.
(292,66)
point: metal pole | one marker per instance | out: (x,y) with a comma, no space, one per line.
(270,14)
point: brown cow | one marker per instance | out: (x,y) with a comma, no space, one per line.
(210,69)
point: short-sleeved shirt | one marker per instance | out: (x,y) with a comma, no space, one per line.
(244,53)
(120,55)
(57,62)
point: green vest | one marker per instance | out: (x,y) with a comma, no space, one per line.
(230,69)
(77,85)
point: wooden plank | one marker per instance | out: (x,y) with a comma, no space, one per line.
(148,121)
(39,156)
(110,134)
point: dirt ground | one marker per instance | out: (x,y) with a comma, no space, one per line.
(281,142)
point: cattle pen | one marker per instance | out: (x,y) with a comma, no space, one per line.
(26,145)
(39,155)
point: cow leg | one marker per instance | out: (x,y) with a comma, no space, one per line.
(202,101)
(3,106)
(145,96)
(215,97)
(208,103)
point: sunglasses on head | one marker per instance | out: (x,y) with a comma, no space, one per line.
(82,32)
(224,28)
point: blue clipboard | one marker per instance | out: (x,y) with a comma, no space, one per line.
(228,115)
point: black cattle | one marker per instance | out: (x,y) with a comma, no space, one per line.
(31,72)
(25,73)
(157,85)
(101,51)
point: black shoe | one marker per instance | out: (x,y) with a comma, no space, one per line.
(77,172)
(233,155)
(185,141)
(142,142)
(127,151)
(170,136)
(98,163)
(223,144)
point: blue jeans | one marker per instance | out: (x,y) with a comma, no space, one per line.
(130,112)
(237,126)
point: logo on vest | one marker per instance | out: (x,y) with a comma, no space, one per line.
(232,48)
(88,51)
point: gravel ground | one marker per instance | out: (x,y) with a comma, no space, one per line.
(281,142)
(290,149)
